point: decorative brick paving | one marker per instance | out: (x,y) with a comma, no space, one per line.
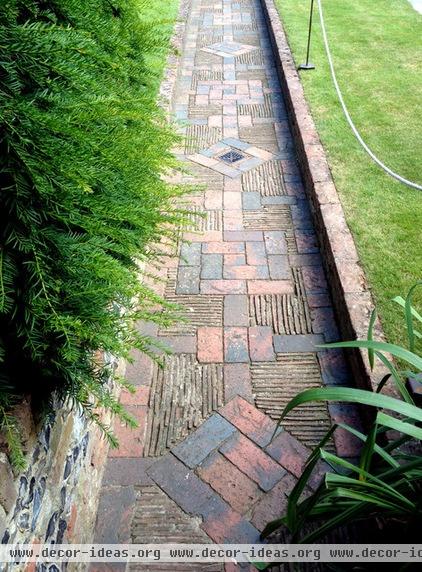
(251,284)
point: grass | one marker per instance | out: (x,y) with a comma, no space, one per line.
(376,52)
(163,16)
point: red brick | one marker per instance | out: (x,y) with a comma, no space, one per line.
(213,199)
(273,505)
(243,235)
(232,220)
(234,259)
(131,441)
(270,287)
(255,253)
(249,420)
(138,372)
(225,525)
(140,397)
(252,461)
(223,248)
(261,343)
(237,381)
(232,185)
(233,201)
(232,485)
(246,272)
(236,310)
(223,287)
(210,345)
(231,566)
(205,236)
(289,452)
(236,345)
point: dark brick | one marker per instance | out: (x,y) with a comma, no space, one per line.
(289,452)
(236,310)
(298,343)
(236,345)
(307,242)
(243,236)
(205,439)
(251,201)
(347,445)
(305,259)
(261,343)
(318,300)
(138,372)
(334,369)
(227,526)
(183,486)
(190,254)
(318,474)
(237,381)
(179,344)
(275,242)
(278,200)
(127,472)
(249,420)
(114,515)
(314,279)
(256,254)
(323,322)
(279,267)
(252,461)
(273,505)
(212,266)
(188,280)
(301,215)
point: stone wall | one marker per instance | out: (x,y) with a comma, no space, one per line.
(55,499)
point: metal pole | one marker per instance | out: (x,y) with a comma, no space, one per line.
(307,65)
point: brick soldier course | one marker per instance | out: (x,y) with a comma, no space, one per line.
(251,283)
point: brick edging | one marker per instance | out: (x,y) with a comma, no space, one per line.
(349,288)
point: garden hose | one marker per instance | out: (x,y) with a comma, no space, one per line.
(347,114)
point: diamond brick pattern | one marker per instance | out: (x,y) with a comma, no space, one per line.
(229,49)
(207,462)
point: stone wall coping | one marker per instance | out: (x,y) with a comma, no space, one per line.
(348,284)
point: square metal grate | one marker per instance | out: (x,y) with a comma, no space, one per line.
(231,156)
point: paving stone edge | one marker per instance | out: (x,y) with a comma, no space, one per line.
(348,284)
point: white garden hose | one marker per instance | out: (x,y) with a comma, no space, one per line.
(347,114)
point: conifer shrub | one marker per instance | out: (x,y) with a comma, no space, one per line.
(83,150)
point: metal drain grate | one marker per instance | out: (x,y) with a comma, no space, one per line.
(231,157)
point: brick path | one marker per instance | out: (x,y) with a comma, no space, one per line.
(201,465)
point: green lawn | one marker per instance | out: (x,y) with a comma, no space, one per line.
(376,47)
(161,15)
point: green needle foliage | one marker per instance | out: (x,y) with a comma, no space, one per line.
(386,481)
(83,150)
